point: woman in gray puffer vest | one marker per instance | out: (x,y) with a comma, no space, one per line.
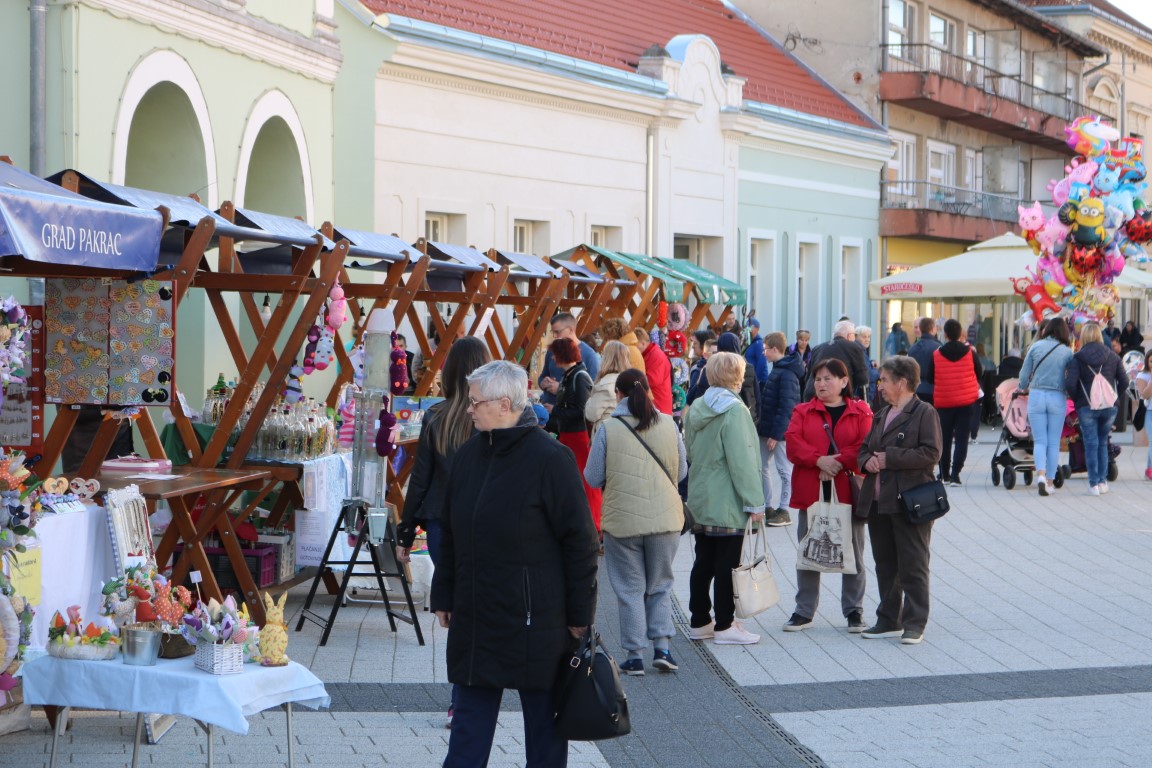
(638,457)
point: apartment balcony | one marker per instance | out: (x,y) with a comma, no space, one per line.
(936,82)
(937,212)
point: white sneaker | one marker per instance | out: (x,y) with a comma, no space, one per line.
(1093,490)
(1103,488)
(702,633)
(735,635)
(1042,486)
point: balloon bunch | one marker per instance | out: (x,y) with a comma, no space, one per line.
(1101,222)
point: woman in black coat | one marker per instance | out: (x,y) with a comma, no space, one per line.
(900,452)
(517,578)
(447,425)
(1131,338)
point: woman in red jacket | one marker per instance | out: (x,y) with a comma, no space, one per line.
(818,459)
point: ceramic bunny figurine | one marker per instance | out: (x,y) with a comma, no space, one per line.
(274,633)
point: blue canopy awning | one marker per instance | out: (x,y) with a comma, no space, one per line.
(43,222)
(374,245)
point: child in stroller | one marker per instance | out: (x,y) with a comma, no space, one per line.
(1016,436)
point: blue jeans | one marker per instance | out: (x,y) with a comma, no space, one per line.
(474,727)
(1095,427)
(1046,411)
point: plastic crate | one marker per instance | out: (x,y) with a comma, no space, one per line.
(285,544)
(261,563)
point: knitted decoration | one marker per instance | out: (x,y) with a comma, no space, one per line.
(662,315)
(677,317)
(389,432)
(398,371)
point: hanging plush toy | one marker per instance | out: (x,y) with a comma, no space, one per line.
(388,433)
(398,371)
(325,349)
(338,309)
(294,387)
(310,349)
(357,358)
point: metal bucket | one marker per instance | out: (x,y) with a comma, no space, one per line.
(141,646)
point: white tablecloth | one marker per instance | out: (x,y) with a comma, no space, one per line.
(172,687)
(75,557)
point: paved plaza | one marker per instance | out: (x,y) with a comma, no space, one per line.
(1037,653)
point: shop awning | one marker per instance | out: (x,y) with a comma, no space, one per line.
(43,222)
(373,245)
(711,288)
(673,284)
(984,273)
(527,265)
(462,254)
(183,213)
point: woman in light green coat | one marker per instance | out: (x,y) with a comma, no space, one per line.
(724,490)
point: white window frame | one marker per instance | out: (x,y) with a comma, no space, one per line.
(937,60)
(809,278)
(764,283)
(975,45)
(435,227)
(973,170)
(946,176)
(598,236)
(902,164)
(903,32)
(852,278)
(522,232)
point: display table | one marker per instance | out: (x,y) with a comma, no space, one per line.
(221,487)
(75,557)
(172,686)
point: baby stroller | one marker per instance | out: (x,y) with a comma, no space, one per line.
(1076,459)
(1016,436)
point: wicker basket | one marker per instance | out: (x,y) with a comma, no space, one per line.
(84,651)
(220,658)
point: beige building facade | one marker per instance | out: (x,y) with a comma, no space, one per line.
(975,95)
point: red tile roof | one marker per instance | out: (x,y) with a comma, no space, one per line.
(615,33)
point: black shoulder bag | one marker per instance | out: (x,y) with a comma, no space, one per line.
(925,502)
(589,700)
(689,521)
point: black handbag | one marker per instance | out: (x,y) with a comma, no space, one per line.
(589,700)
(689,521)
(925,502)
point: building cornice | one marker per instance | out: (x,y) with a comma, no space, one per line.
(235,31)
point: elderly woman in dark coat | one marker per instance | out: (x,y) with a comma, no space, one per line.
(899,453)
(517,573)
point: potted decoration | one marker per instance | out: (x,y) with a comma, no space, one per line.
(143,600)
(219,632)
(71,639)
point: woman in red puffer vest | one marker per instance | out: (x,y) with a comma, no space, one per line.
(956,373)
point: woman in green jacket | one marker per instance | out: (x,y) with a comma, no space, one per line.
(724,489)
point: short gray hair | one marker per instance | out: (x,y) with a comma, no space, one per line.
(862,329)
(844,328)
(499,379)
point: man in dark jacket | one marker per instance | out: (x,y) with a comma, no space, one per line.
(754,354)
(779,395)
(921,352)
(517,575)
(844,348)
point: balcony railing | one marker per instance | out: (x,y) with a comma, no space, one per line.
(919,57)
(937,197)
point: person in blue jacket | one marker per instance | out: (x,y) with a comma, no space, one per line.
(779,395)
(754,354)
(564,327)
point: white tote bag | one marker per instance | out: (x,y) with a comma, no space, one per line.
(753,586)
(827,546)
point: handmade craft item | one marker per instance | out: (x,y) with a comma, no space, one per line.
(274,633)
(72,639)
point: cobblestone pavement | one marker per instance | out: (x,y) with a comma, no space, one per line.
(1036,654)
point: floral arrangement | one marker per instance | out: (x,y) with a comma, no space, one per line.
(13,327)
(19,508)
(144,596)
(216,622)
(73,632)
